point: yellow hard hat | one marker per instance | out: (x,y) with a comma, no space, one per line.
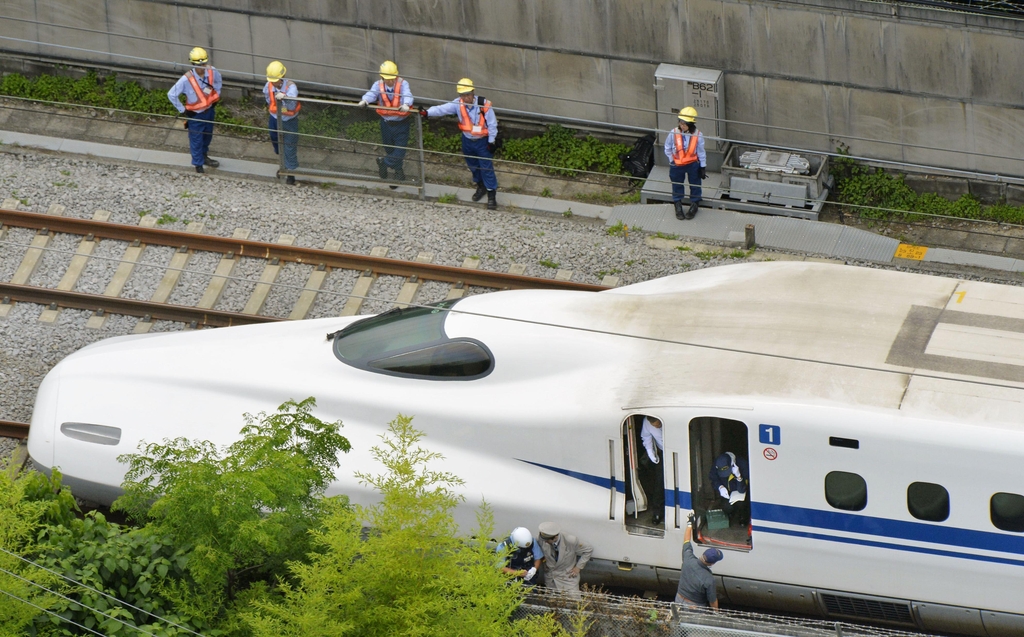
(688,114)
(275,71)
(465,86)
(198,55)
(388,70)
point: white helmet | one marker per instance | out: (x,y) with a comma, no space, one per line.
(522,537)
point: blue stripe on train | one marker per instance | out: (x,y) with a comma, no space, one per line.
(851,523)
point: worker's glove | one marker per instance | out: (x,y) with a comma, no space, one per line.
(530,573)
(404,108)
(279,95)
(704,175)
(361,104)
(423,112)
(736,496)
(723,491)
(691,519)
(654,458)
(490,147)
(736,472)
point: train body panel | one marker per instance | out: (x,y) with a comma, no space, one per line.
(815,373)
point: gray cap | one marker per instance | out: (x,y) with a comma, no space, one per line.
(549,529)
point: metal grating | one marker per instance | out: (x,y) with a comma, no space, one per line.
(878,610)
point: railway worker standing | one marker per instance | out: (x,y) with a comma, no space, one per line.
(729,480)
(277,90)
(201,88)
(524,560)
(696,583)
(684,147)
(653,478)
(479,128)
(564,557)
(393,92)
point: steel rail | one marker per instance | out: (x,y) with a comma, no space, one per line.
(130,307)
(296,254)
(12,429)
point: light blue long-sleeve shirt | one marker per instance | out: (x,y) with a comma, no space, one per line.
(373,96)
(473,110)
(290,90)
(670,145)
(184,87)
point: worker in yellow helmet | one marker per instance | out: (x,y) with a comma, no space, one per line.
(393,98)
(200,88)
(284,114)
(684,147)
(479,129)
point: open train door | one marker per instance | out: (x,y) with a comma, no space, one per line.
(636,498)
(721,521)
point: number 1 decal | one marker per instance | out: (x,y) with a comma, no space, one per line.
(770,434)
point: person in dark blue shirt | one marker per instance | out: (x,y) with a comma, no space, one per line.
(729,479)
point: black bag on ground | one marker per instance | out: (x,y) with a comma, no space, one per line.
(639,161)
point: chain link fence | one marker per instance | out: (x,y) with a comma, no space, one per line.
(595,614)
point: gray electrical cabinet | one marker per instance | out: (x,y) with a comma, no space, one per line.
(677,87)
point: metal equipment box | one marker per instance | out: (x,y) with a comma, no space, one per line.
(814,182)
(675,88)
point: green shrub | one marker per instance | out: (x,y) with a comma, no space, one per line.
(561,152)
(440,141)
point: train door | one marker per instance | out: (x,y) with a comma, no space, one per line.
(645,478)
(720,482)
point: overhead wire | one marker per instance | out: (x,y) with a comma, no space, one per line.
(50,612)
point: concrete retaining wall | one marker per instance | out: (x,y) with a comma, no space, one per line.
(844,70)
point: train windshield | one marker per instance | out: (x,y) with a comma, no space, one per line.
(411,342)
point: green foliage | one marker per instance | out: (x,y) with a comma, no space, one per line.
(618,230)
(28,503)
(441,142)
(368,131)
(548,263)
(412,574)
(91,90)
(876,194)
(120,567)
(561,152)
(448,197)
(325,121)
(243,510)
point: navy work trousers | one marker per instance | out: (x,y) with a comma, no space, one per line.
(678,174)
(478,158)
(200,132)
(395,136)
(289,130)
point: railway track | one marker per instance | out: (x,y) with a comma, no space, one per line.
(230,249)
(12,429)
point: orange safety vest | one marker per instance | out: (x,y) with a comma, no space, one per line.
(273,101)
(204,101)
(394,102)
(681,157)
(466,125)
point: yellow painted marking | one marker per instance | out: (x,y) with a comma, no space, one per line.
(960,296)
(912,252)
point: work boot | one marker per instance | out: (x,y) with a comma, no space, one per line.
(692,212)
(492,199)
(212,163)
(400,173)
(199,169)
(382,168)
(290,181)
(481,190)
(679,209)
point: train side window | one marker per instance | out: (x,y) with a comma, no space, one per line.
(928,501)
(1007,512)
(847,491)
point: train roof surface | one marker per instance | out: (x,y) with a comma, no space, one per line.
(927,346)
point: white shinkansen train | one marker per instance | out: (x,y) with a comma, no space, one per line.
(880,414)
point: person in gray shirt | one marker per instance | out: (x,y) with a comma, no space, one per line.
(696,583)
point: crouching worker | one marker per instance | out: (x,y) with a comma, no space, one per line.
(524,560)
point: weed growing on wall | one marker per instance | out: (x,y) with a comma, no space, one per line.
(562,152)
(91,90)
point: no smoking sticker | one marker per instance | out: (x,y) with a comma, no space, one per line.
(770,453)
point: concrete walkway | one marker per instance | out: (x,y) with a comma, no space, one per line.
(782,233)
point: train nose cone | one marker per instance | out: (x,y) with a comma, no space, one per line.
(41,434)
